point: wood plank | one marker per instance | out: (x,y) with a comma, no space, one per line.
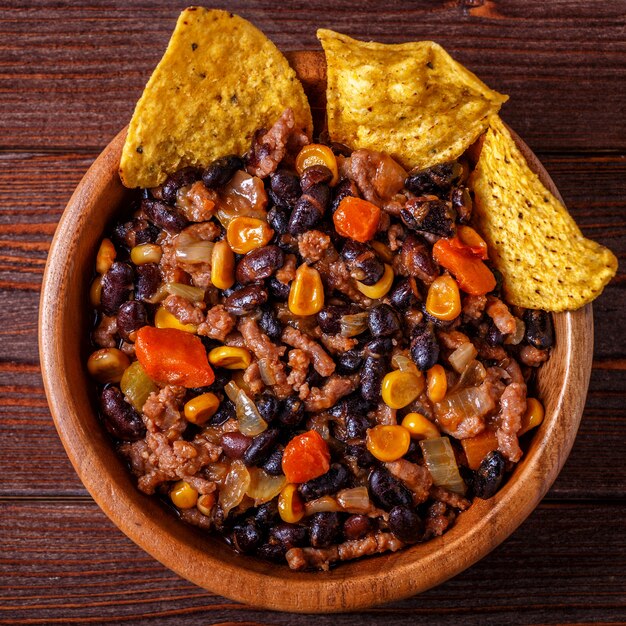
(66,563)
(87,65)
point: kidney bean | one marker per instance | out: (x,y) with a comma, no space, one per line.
(434,180)
(273,465)
(402,296)
(343,189)
(539,330)
(349,362)
(148,279)
(488,477)
(362,455)
(417,259)
(362,262)
(131,316)
(356,526)
(357,425)
(292,412)
(462,204)
(372,374)
(278,290)
(387,491)
(405,524)
(235,444)
(424,347)
(174,182)
(383,321)
(117,285)
(246,299)
(289,535)
(267,514)
(268,406)
(278,219)
(259,264)
(330,482)
(309,209)
(246,537)
(323,529)
(164,216)
(261,447)
(315,175)
(269,324)
(284,189)
(219,173)
(120,419)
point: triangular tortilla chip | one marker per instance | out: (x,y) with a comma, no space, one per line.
(219,80)
(544,258)
(411,100)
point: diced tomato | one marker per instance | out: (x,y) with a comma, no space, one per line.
(357,219)
(305,457)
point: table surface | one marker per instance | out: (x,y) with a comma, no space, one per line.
(70,74)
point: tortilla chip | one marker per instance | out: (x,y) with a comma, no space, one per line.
(544,258)
(219,80)
(411,100)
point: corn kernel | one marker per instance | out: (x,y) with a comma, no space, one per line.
(107,365)
(248,233)
(290,505)
(420,427)
(229,357)
(317,154)
(146,253)
(477,447)
(379,289)
(105,257)
(388,443)
(533,416)
(95,291)
(400,388)
(164,319)
(444,299)
(306,296)
(199,409)
(436,383)
(205,503)
(222,266)
(382,251)
(183,495)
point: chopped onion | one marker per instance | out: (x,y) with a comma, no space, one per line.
(194,250)
(403,363)
(463,404)
(159,295)
(232,390)
(244,195)
(325,504)
(461,357)
(516,337)
(356,500)
(264,487)
(235,486)
(353,325)
(441,463)
(216,472)
(472,375)
(193,294)
(250,422)
(267,374)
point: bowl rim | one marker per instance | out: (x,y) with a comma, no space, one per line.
(413,570)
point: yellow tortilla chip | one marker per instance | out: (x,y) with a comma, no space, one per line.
(219,80)
(544,258)
(411,100)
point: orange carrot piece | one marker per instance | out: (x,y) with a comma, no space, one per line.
(305,457)
(357,219)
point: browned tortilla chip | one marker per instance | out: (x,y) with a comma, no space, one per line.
(219,80)
(411,100)
(544,258)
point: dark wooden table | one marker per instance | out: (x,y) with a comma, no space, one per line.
(70,74)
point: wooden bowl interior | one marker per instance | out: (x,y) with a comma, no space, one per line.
(64,325)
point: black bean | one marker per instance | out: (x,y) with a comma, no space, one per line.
(372,374)
(246,299)
(284,189)
(164,216)
(349,405)
(268,406)
(117,285)
(329,318)
(349,361)
(417,259)
(434,180)
(405,524)
(380,346)
(383,321)
(309,209)
(225,411)
(313,377)
(278,219)
(340,149)
(343,189)
(402,296)
(218,173)
(356,526)
(315,175)
(324,529)
(387,491)
(120,419)
(289,535)
(261,447)
(174,182)
(148,279)
(269,324)
(278,290)
(272,552)
(273,465)
(330,482)
(362,456)
(424,347)
(135,232)
(246,538)
(235,444)
(488,477)
(259,264)
(462,204)
(357,425)
(362,262)
(131,316)
(292,411)
(267,514)
(287,243)
(493,336)
(430,216)
(222,375)
(539,330)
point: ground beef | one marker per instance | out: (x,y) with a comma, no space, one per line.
(193,516)
(450,498)
(312,245)
(416,477)
(491,353)
(396,235)
(161,411)
(334,388)
(184,311)
(438,519)
(383,415)
(105,334)
(299,363)
(336,274)
(252,378)
(473,307)
(322,362)
(533,357)
(287,272)
(512,408)
(452,339)
(218,323)
(338,344)
(234,340)
(197,203)
(502,318)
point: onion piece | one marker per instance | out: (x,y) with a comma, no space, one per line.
(267,374)
(441,463)
(516,337)
(190,249)
(250,422)
(244,195)
(354,324)
(355,500)
(462,356)
(235,486)
(193,294)
(325,504)
(403,363)
(462,404)
(216,472)
(232,390)
(264,487)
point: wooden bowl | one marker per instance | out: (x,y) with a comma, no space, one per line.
(64,326)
